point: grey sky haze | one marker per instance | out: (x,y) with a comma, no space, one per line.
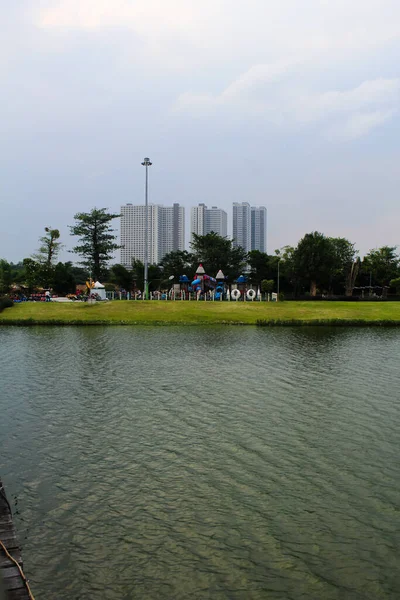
(292,104)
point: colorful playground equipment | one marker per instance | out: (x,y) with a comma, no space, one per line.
(205,287)
(203,284)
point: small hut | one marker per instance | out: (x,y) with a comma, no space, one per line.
(99,289)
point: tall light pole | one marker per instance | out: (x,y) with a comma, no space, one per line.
(146,163)
(277,298)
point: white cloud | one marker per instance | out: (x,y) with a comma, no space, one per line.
(315,106)
(97,14)
(264,28)
(257,92)
(360,124)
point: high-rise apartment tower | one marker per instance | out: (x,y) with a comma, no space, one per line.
(203,220)
(241,225)
(259,228)
(166,232)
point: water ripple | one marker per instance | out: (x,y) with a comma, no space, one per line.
(222,463)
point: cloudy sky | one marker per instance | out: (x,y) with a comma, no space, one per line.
(291,104)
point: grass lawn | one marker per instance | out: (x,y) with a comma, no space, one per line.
(191,313)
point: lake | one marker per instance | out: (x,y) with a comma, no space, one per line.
(189,463)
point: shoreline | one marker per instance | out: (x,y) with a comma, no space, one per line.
(153,313)
(272,323)
(189,314)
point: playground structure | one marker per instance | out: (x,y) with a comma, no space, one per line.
(203,287)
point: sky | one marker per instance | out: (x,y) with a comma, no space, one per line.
(290,104)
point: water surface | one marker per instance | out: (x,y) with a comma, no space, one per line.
(220,462)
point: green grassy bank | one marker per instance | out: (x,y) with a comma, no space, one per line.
(195,313)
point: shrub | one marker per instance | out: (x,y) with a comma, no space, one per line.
(5,303)
(396,284)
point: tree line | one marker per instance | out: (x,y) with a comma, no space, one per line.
(318,264)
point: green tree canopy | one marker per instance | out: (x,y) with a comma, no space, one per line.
(64,279)
(6,276)
(122,276)
(177,263)
(47,254)
(97,239)
(49,247)
(32,274)
(216,252)
(396,284)
(314,259)
(260,266)
(383,264)
(267,286)
(80,274)
(156,277)
(345,265)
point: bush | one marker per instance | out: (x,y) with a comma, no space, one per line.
(5,303)
(395,283)
(110,287)
(267,285)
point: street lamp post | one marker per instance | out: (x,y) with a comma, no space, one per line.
(277,298)
(146,163)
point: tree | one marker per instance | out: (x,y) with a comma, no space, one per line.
(46,254)
(63,279)
(49,247)
(288,277)
(216,252)
(177,263)
(156,278)
(17,272)
(97,239)
(80,274)
(314,259)
(396,284)
(267,286)
(345,265)
(383,264)
(122,277)
(260,266)
(32,273)
(5,277)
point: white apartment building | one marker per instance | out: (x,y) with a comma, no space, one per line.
(198,219)
(241,225)
(217,221)
(132,233)
(203,220)
(166,232)
(259,228)
(171,229)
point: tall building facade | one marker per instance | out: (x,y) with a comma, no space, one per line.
(241,225)
(216,221)
(259,228)
(132,233)
(166,232)
(198,219)
(171,229)
(203,220)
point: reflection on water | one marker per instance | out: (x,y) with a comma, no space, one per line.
(234,463)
